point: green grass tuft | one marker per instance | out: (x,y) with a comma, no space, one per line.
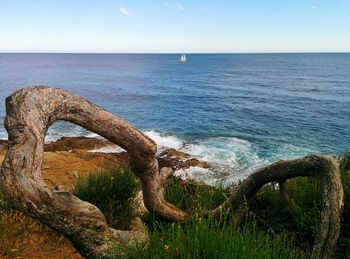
(112,192)
(193,196)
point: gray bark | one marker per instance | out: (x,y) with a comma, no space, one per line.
(29,114)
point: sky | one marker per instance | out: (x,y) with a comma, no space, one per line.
(192,26)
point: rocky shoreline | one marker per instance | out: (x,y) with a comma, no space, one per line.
(71,157)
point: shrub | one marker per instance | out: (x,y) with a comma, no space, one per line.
(112,192)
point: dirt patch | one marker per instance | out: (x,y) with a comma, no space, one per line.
(63,168)
(23,237)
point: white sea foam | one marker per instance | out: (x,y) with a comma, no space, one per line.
(108,149)
(92,135)
(202,174)
(165,141)
(230,158)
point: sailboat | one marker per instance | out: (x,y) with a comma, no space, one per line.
(182,58)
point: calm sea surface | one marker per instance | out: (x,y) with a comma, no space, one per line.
(237,111)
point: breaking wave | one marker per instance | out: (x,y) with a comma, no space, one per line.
(230,158)
(165,141)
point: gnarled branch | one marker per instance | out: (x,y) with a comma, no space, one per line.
(325,169)
(29,113)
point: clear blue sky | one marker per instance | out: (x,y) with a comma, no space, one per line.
(174,26)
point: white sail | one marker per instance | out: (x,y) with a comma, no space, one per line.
(182,58)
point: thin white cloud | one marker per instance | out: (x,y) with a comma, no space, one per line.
(313,7)
(124,11)
(177,6)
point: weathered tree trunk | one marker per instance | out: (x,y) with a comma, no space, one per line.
(30,112)
(325,169)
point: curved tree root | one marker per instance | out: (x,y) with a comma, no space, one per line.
(30,112)
(325,169)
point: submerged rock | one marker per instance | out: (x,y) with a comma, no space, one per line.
(179,160)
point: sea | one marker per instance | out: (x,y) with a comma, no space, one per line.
(238,112)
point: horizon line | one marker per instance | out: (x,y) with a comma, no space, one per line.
(194,53)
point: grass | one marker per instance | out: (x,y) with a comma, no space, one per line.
(300,219)
(211,238)
(14,226)
(198,238)
(207,237)
(112,192)
(193,196)
(271,229)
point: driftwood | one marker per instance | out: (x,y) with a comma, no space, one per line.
(30,112)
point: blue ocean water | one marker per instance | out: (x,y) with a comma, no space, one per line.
(237,111)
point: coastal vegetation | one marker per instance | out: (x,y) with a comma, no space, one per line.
(112,191)
(256,213)
(270,229)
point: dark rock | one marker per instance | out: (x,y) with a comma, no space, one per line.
(82,143)
(178,160)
